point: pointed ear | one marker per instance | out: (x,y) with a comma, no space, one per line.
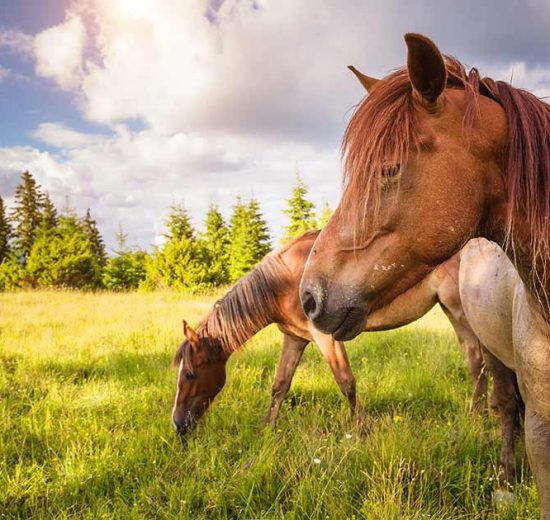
(190,334)
(426,66)
(365,80)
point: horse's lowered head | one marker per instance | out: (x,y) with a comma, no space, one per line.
(424,156)
(201,375)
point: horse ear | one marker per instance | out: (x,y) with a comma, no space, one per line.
(190,334)
(365,80)
(426,66)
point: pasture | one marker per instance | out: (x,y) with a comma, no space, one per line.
(86,390)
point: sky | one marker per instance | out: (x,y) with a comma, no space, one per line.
(130,106)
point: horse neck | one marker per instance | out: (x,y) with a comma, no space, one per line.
(251,305)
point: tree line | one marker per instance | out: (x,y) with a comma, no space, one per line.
(43,247)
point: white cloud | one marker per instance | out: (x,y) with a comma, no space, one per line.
(131,178)
(233,95)
(60,136)
(58,52)
(16,41)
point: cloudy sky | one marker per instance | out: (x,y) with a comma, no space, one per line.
(129,106)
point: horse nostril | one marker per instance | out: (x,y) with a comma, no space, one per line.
(308,303)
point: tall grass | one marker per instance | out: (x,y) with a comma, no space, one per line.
(86,388)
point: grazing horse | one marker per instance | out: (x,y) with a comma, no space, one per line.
(270,294)
(435,156)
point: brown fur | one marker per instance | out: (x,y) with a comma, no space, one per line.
(385,129)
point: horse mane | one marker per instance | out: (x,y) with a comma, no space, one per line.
(249,306)
(384,130)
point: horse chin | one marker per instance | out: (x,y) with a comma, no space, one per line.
(352,325)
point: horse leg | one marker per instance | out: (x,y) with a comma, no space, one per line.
(505,403)
(293,348)
(473,356)
(337,359)
(537,442)
(532,357)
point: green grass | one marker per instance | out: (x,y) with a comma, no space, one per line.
(86,389)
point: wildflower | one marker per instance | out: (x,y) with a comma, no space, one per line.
(348,435)
(397,419)
(316,460)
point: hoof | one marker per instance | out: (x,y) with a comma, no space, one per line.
(503,499)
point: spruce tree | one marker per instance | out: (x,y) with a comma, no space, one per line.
(326,213)
(300,212)
(64,257)
(27,214)
(249,238)
(182,262)
(260,241)
(49,219)
(127,268)
(179,223)
(5,232)
(95,238)
(238,263)
(216,242)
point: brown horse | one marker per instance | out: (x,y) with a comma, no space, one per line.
(434,156)
(270,294)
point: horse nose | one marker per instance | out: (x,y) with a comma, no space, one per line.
(311,296)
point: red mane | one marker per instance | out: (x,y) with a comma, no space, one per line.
(384,128)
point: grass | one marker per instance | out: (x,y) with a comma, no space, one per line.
(86,389)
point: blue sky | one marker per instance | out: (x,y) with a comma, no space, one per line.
(129,106)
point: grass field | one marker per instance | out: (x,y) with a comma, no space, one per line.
(86,389)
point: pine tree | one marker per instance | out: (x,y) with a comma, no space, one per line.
(249,238)
(26,214)
(326,213)
(238,263)
(95,238)
(49,218)
(127,268)
(183,261)
(216,242)
(179,223)
(300,211)
(63,257)
(260,241)
(5,232)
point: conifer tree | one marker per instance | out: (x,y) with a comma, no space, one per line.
(179,223)
(5,232)
(49,218)
(237,241)
(95,238)
(326,213)
(260,240)
(63,257)
(249,238)
(26,214)
(300,212)
(182,262)
(127,268)
(216,242)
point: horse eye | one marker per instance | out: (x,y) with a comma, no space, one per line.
(189,376)
(389,171)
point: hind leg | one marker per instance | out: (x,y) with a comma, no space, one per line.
(506,403)
(532,356)
(293,348)
(337,358)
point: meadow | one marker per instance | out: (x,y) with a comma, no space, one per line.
(86,390)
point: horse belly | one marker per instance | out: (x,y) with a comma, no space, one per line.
(487,282)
